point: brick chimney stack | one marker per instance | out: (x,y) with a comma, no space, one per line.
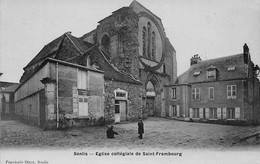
(246,53)
(195,59)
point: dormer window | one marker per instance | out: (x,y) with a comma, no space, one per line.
(231,68)
(196,73)
(211,72)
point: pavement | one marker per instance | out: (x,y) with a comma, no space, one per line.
(159,133)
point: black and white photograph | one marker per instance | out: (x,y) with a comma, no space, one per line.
(129,81)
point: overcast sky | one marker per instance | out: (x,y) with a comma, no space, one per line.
(211,28)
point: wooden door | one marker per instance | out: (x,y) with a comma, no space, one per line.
(150,106)
(122,110)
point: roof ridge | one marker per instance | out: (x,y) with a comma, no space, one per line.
(219,58)
(68,35)
(30,63)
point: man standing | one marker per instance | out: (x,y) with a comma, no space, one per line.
(140,128)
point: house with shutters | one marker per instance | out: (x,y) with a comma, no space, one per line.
(223,90)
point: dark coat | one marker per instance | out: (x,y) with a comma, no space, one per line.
(110,132)
(140,127)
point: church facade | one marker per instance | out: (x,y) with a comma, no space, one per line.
(115,73)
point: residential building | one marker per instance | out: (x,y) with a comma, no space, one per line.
(223,90)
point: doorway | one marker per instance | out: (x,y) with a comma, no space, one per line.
(150,106)
(120,111)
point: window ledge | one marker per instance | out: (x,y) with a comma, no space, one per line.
(213,119)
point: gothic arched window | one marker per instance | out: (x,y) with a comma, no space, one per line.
(105,45)
(149,39)
(153,45)
(144,42)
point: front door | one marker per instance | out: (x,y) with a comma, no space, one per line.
(120,111)
(150,106)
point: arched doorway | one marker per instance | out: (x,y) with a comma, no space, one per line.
(152,88)
(150,98)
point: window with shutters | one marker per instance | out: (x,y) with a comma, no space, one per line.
(213,113)
(174,111)
(82,82)
(196,113)
(230,113)
(83,105)
(173,96)
(211,93)
(231,92)
(196,93)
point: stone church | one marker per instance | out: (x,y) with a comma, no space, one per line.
(116,72)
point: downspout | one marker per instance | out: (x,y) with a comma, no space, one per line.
(57,93)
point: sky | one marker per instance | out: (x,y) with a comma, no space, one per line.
(210,28)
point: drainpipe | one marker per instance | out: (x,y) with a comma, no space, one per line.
(57,93)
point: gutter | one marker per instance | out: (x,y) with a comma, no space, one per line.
(57,93)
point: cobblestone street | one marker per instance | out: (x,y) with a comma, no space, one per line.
(159,133)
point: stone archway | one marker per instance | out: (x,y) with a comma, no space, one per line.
(152,89)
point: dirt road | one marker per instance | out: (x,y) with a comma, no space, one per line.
(159,133)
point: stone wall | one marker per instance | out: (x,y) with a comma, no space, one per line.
(134,102)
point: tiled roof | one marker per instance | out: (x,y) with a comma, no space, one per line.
(110,71)
(71,49)
(47,50)
(81,45)
(221,65)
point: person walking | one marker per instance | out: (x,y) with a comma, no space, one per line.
(140,129)
(110,132)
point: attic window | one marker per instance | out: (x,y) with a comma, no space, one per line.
(231,68)
(196,73)
(211,74)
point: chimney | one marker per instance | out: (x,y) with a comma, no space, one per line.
(246,53)
(195,59)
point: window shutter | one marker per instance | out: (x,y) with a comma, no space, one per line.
(219,113)
(178,110)
(207,113)
(191,112)
(224,113)
(237,112)
(177,93)
(201,112)
(170,111)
